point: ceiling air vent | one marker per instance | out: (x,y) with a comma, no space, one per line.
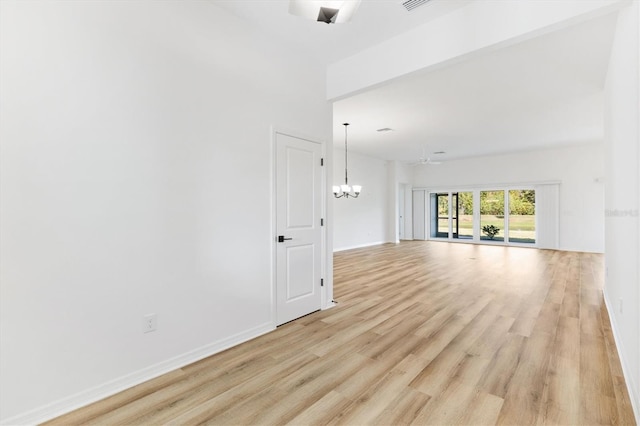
(412,4)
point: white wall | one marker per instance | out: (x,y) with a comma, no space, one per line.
(576,168)
(400,176)
(622,114)
(360,222)
(135,178)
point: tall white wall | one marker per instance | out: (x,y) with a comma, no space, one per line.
(361,221)
(135,179)
(579,169)
(622,252)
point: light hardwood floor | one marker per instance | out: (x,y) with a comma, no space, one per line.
(424,333)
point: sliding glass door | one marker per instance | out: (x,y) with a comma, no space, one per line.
(492,215)
(439,215)
(522,216)
(464,215)
(504,216)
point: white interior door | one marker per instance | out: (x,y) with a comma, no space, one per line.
(298,239)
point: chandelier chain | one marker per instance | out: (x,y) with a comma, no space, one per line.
(346,168)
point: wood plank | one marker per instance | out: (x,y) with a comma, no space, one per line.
(483,409)
(101,408)
(371,402)
(497,377)
(524,395)
(403,409)
(424,333)
(598,405)
(323,411)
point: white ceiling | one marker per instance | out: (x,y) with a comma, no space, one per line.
(539,93)
(373,22)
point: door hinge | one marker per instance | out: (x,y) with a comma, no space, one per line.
(322,161)
(321,282)
(321,222)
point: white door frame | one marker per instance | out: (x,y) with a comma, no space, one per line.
(401,213)
(327,290)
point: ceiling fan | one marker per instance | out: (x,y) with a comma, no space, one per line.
(427,160)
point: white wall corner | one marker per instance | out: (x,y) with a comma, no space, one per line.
(622,195)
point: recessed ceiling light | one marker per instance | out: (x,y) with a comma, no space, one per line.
(329,11)
(385,129)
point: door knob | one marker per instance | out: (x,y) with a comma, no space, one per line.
(282,239)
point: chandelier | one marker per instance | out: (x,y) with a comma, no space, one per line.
(340,191)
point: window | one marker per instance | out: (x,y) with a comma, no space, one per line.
(464,215)
(440,215)
(443,215)
(506,216)
(522,216)
(492,215)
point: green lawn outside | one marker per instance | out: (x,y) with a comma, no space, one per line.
(522,228)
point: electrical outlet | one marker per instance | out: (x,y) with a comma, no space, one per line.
(149,323)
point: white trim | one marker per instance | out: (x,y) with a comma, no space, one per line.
(329,305)
(295,134)
(488,186)
(628,377)
(274,226)
(377,243)
(324,270)
(450,214)
(328,222)
(83,398)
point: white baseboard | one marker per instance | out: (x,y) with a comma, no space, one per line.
(330,305)
(377,243)
(632,385)
(112,387)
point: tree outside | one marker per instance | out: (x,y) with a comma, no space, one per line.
(492,213)
(522,219)
(521,214)
(522,209)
